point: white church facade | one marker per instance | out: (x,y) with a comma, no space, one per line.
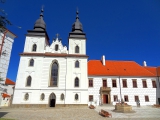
(51,75)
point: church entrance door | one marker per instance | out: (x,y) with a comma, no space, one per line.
(105,99)
(52,100)
(159,100)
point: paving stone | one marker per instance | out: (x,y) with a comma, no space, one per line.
(78,113)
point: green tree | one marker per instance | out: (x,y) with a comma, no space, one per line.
(3,18)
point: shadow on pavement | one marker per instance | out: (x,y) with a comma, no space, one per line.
(2,114)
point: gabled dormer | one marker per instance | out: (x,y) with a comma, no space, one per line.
(56,47)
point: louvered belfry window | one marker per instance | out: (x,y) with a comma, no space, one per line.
(77,49)
(34,48)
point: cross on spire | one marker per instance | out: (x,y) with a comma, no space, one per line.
(77,17)
(41,15)
(57,35)
(42,7)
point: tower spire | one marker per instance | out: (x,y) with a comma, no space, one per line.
(40,24)
(41,15)
(77,25)
(77,28)
(77,17)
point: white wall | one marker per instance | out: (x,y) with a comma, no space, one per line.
(130,91)
(40,74)
(74,42)
(6,101)
(39,41)
(5,59)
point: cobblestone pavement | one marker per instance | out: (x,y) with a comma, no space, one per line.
(78,113)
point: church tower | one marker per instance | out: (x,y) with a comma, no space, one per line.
(77,79)
(77,38)
(37,39)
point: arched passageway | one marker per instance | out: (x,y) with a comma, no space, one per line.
(52,100)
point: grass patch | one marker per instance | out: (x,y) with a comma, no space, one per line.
(6,119)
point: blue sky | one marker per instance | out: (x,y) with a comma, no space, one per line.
(118,29)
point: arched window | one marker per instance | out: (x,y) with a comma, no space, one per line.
(76,49)
(77,64)
(34,48)
(26,96)
(29,79)
(76,96)
(54,74)
(76,82)
(42,96)
(62,96)
(31,62)
(56,47)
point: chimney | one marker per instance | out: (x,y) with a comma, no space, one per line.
(144,63)
(103,60)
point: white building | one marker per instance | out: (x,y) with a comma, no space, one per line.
(50,74)
(114,81)
(54,75)
(7,94)
(6,42)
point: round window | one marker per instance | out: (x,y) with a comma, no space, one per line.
(26,96)
(42,96)
(62,96)
(76,96)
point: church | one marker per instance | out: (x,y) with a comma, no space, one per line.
(51,75)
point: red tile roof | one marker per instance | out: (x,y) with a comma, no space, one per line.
(117,68)
(4,95)
(9,82)
(152,70)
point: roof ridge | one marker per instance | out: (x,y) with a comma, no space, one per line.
(148,67)
(144,68)
(122,60)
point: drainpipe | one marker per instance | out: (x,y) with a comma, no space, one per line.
(158,77)
(158,82)
(4,35)
(120,89)
(65,82)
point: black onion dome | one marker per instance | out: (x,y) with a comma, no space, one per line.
(77,26)
(40,24)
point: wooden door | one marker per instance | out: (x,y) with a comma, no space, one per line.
(159,101)
(107,99)
(104,99)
